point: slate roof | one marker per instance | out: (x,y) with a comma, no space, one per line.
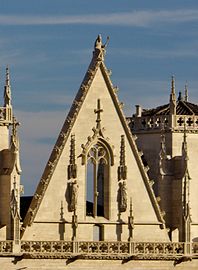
(24,205)
(183,108)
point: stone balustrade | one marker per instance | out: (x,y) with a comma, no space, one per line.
(103,248)
(163,121)
(46,246)
(6,247)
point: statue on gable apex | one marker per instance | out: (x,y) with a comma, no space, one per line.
(99,45)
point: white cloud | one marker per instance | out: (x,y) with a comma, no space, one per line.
(134,18)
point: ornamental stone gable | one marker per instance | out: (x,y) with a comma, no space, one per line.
(95,174)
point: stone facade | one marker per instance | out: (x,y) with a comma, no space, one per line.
(97,200)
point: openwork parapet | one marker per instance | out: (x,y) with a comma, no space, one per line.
(6,247)
(103,249)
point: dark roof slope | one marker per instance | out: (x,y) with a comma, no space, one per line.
(183,108)
(24,205)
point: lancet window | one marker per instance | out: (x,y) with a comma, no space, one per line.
(98,164)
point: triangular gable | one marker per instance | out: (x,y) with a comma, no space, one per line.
(96,65)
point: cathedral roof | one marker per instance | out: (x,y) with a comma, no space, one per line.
(182,108)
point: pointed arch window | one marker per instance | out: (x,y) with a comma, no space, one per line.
(98,175)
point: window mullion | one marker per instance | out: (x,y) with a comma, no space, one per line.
(95,185)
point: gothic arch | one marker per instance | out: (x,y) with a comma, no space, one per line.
(92,141)
(98,157)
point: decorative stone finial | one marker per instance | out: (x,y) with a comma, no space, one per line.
(186,92)
(173,97)
(7,89)
(173,85)
(98,111)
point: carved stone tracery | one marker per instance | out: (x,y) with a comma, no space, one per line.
(99,152)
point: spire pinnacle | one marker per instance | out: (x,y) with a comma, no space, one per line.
(7,76)
(173,97)
(173,85)
(186,92)
(7,89)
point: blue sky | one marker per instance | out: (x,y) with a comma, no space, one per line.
(48,46)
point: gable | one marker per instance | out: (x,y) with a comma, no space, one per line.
(107,128)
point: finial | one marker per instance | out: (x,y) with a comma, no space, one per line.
(7,76)
(186,92)
(173,85)
(7,89)
(173,97)
(98,111)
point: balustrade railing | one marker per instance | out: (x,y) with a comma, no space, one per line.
(164,121)
(46,246)
(109,248)
(6,247)
(103,248)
